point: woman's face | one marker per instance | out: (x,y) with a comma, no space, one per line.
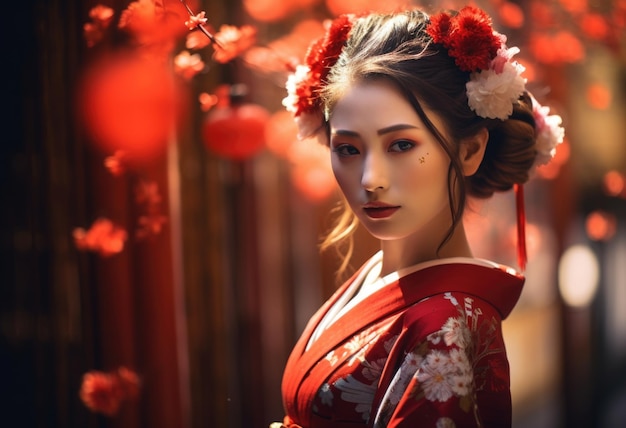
(391,169)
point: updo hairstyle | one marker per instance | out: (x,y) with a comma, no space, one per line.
(396,48)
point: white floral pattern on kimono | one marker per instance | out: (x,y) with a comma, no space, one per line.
(438,361)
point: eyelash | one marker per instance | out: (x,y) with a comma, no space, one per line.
(411,144)
(342,149)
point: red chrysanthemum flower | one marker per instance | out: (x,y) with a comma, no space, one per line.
(473,14)
(468,37)
(439,28)
(320,57)
(335,39)
(305,92)
(314,54)
(474,51)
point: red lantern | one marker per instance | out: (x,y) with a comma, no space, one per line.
(236,131)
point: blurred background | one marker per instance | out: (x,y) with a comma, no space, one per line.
(160,222)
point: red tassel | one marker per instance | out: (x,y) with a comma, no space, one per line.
(521,226)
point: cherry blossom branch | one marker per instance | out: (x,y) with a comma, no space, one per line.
(198,21)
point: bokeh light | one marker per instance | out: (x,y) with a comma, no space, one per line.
(598,96)
(614,183)
(338,7)
(268,10)
(511,14)
(600,225)
(132,104)
(281,133)
(311,172)
(579,275)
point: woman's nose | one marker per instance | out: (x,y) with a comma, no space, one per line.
(374,173)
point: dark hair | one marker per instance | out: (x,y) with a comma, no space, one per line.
(397,48)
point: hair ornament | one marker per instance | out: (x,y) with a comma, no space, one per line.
(304,84)
(495,82)
(550,133)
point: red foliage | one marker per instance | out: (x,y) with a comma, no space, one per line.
(116,163)
(100,392)
(103,237)
(233,41)
(105,392)
(94,31)
(150,223)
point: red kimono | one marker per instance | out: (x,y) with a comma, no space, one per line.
(424,349)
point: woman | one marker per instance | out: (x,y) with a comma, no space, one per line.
(419,113)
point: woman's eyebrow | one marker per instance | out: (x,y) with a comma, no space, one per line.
(382,131)
(398,127)
(345,133)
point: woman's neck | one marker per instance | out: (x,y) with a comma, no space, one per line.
(402,253)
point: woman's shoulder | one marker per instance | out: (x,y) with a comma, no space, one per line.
(452,264)
(478,280)
(442,312)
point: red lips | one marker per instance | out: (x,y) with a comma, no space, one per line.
(378,210)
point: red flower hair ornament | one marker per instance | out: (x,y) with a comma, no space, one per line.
(304,84)
(495,82)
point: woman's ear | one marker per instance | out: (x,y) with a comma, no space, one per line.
(472,151)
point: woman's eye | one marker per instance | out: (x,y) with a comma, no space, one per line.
(401,146)
(345,150)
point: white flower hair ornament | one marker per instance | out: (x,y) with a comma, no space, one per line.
(495,86)
(550,133)
(496,81)
(491,93)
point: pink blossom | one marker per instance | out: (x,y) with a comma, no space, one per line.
(196,20)
(147,192)
(150,225)
(197,40)
(116,163)
(188,65)
(103,237)
(233,41)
